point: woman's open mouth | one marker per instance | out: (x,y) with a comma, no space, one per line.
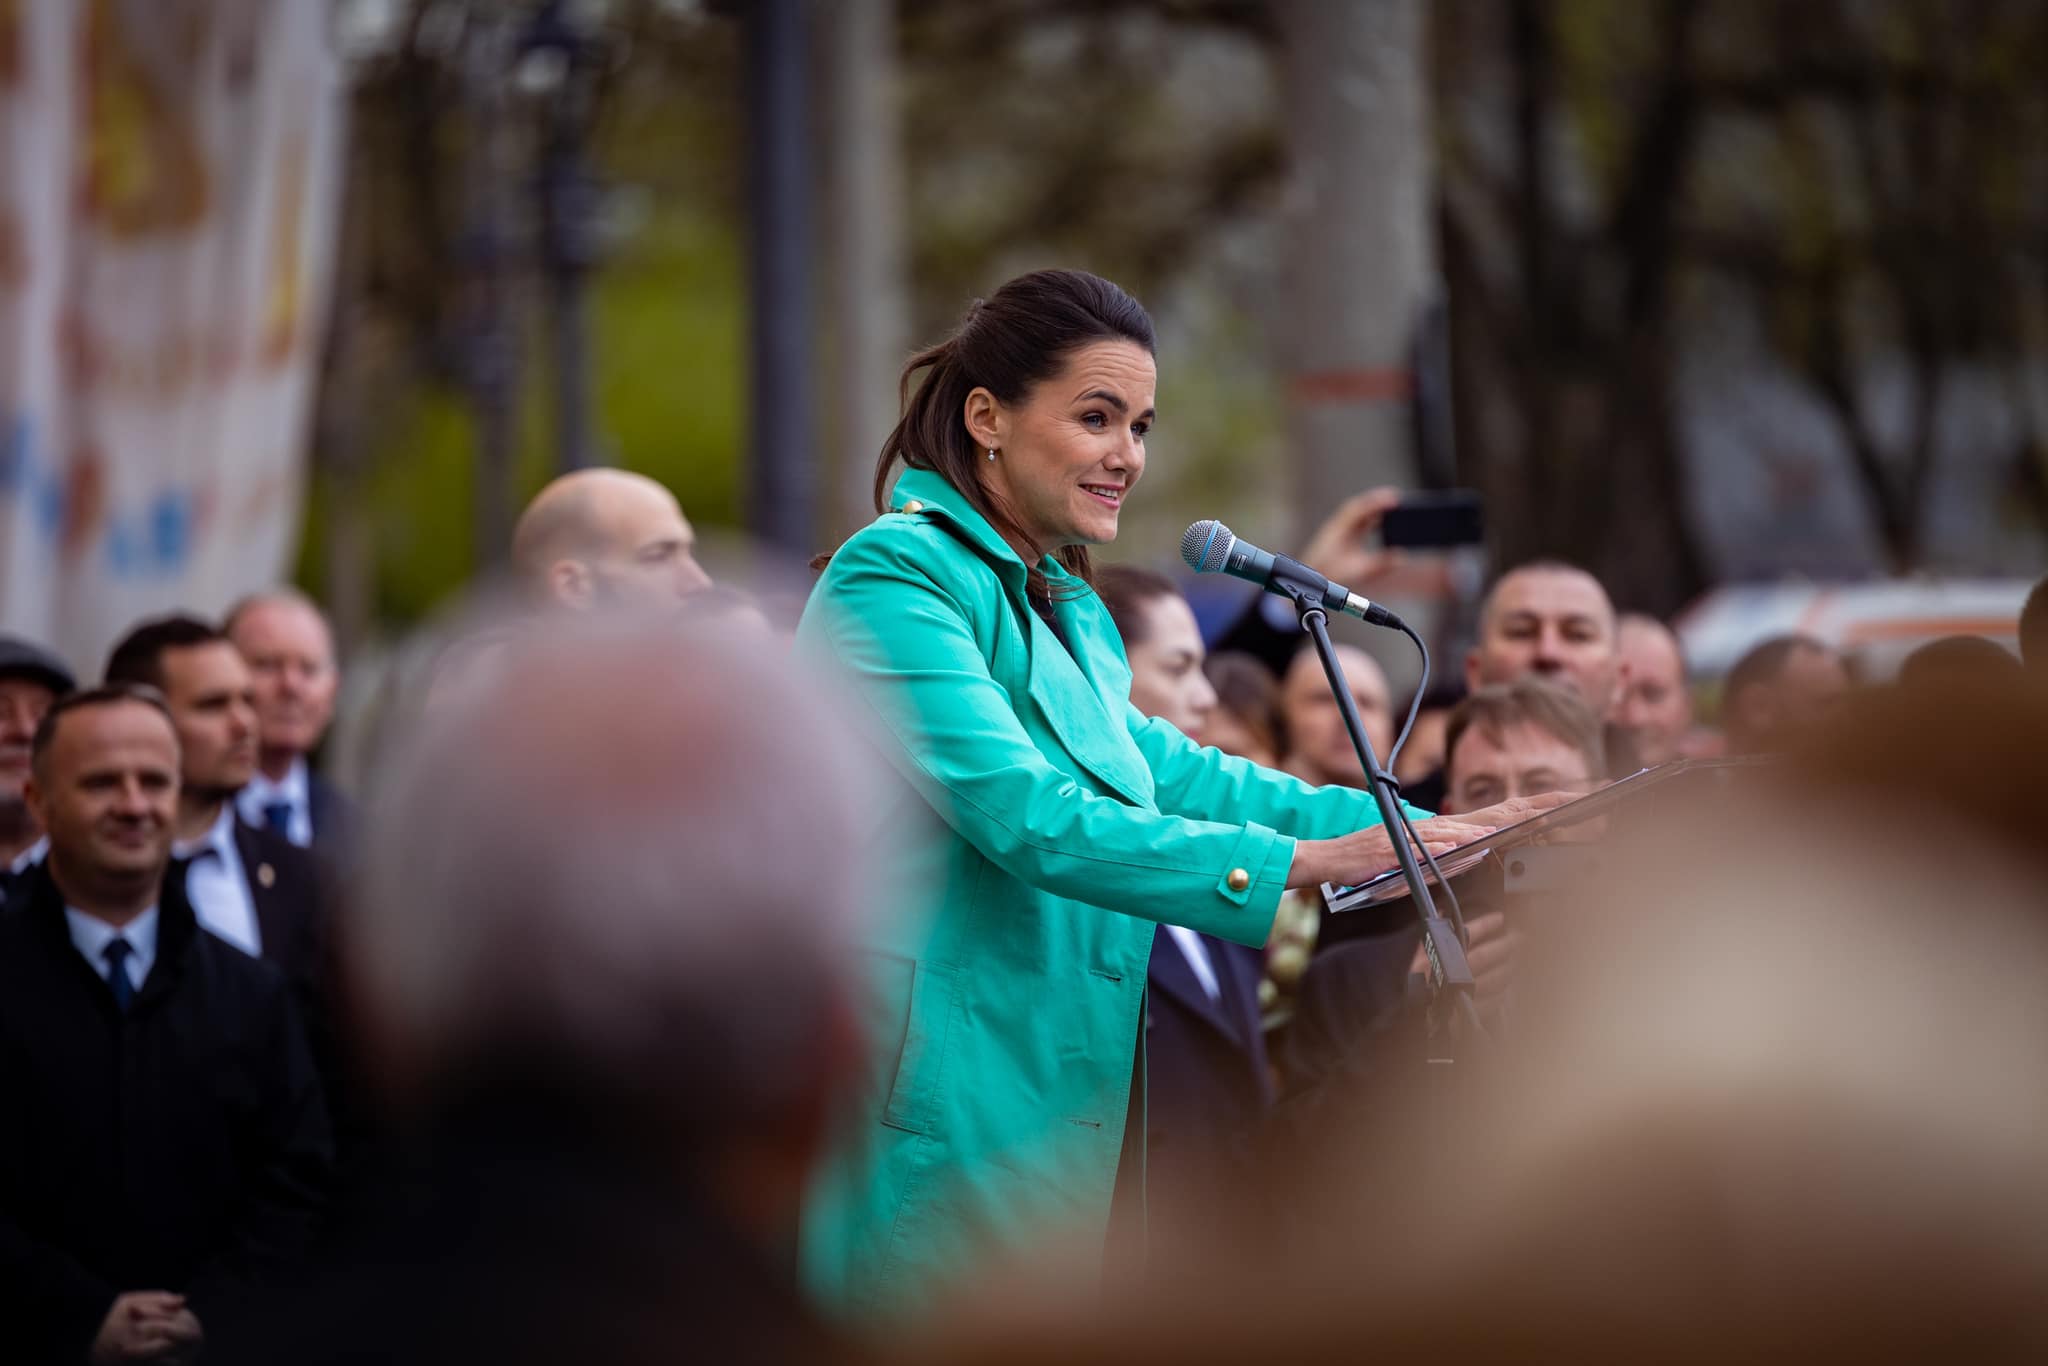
(1111,494)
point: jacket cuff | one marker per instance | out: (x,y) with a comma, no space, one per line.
(1253,881)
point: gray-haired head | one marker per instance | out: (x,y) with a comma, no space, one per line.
(631,860)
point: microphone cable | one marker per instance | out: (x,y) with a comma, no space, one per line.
(1401,806)
(1414,703)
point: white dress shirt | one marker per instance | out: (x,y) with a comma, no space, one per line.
(1197,954)
(218,885)
(294,790)
(30,857)
(92,935)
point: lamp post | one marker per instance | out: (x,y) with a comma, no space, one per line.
(559,60)
(782,474)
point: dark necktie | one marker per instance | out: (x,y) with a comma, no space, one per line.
(116,953)
(278,816)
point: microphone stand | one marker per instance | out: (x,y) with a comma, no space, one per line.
(1444,945)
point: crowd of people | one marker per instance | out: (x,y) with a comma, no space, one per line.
(538,1052)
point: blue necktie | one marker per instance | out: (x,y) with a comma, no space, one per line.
(116,953)
(278,816)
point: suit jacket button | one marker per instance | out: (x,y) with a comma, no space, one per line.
(913,506)
(1239,879)
(266,875)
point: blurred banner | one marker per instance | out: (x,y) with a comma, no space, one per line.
(169,173)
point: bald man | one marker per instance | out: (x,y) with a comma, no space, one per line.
(607,538)
(1319,748)
(1550,619)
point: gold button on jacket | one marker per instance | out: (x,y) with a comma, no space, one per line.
(1239,879)
(913,506)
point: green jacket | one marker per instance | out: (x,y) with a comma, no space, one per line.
(1007,999)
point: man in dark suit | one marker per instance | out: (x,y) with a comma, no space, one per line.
(163,1146)
(251,886)
(286,641)
(1207,1085)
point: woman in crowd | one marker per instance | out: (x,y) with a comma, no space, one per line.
(1246,721)
(1067,824)
(1172,678)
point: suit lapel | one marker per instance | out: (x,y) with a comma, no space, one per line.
(1239,970)
(260,872)
(1175,977)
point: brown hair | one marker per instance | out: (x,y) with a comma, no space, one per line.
(1127,591)
(1006,344)
(1764,663)
(1245,688)
(106,695)
(1529,701)
(139,656)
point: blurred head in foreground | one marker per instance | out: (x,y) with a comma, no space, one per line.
(1957,660)
(606,537)
(1777,1095)
(619,882)
(2034,629)
(1778,692)
(1516,740)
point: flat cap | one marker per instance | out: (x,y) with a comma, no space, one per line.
(25,659)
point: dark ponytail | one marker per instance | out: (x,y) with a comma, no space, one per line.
(1006,344)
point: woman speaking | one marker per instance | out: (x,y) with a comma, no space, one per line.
(1067,824)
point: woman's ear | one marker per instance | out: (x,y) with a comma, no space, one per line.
(983,413)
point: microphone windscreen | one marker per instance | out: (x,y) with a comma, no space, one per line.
(1205,545)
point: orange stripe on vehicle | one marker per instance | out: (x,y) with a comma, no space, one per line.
(1906,628)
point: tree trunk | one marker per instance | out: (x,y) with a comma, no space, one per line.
(1361,265)
(865,292)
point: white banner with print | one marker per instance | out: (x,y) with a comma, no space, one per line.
(169,181)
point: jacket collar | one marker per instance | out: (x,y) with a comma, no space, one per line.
(1081,694)
(941,499)
(176,926)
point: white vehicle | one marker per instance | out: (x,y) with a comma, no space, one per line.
(1875,625)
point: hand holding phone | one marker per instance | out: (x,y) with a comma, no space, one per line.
(1433,521)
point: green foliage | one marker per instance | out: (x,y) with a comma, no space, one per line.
(671,337)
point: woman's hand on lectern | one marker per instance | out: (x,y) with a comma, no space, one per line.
(1516,809)
(1352,859)
(1369,852)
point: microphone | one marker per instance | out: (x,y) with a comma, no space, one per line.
(1209,547)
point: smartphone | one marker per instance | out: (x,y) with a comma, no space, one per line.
(1434,520)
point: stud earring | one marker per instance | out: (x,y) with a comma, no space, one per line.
(991,452)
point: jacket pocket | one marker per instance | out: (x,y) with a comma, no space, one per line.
(924,995)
